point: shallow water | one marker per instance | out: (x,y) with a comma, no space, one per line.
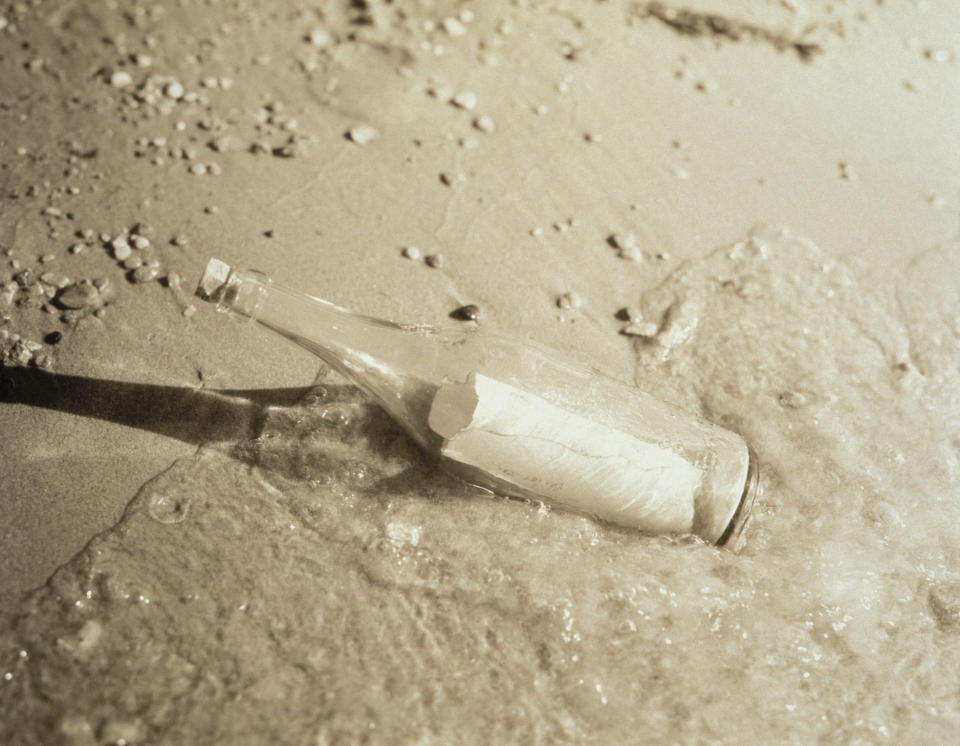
(323,584)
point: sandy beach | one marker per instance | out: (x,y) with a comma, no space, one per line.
(749,209)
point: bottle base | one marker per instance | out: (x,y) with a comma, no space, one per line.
(734,537)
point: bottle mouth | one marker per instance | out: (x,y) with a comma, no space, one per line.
(733,538)
(213,283)
(236,292)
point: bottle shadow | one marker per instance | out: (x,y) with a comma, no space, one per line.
(191,415)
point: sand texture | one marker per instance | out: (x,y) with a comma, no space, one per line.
(747,209)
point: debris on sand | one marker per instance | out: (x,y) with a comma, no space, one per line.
(362,134)
(721,28)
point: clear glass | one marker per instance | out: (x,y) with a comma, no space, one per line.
(532,424)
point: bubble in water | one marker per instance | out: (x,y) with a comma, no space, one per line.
(336,415)
(168,508)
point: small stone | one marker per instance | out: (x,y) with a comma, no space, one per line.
(132,262)
(569,301)
(642,329)
(484,123)
(189,311)
(53,338)
(80,295)
(447,179)
(173,90)
(453,27)
(140,242)
(434,260)
(47,258)
(224,143)
(362,134)
(469,312)
(465,100)
(179,240)
(76,248)
(214,169)
(411,252)
(626,246)
(146,273)
(120,79)
(57,281)
(198,169)
(121,249)
(319,37)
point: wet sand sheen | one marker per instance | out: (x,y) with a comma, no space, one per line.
(306,576)
(354,593)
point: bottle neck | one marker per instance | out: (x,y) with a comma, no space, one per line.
(384,359)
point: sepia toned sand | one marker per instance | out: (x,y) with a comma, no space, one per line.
(563,160)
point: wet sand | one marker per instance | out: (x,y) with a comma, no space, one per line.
(603,151)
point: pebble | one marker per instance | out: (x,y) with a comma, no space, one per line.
(173,90)
(626,246)
(133,262)
(434,260)
(53,338)
(453,27)
(121,249)
(643,329)
(569,301)
(57,281)
(146,273)
(140,242)
(484,123)
(198,169)
(179,240)
(361,134)
(80,295)
(465,100)
(411,252)
(120,79)
(319,37)
(469,312)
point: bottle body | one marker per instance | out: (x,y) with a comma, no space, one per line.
(515,418)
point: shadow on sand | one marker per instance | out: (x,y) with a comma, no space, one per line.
(192,415)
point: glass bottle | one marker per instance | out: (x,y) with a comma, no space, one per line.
(513,417)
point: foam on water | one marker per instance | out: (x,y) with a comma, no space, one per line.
(324,584)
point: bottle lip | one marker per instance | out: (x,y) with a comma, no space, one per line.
(214,280)
(733,537)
